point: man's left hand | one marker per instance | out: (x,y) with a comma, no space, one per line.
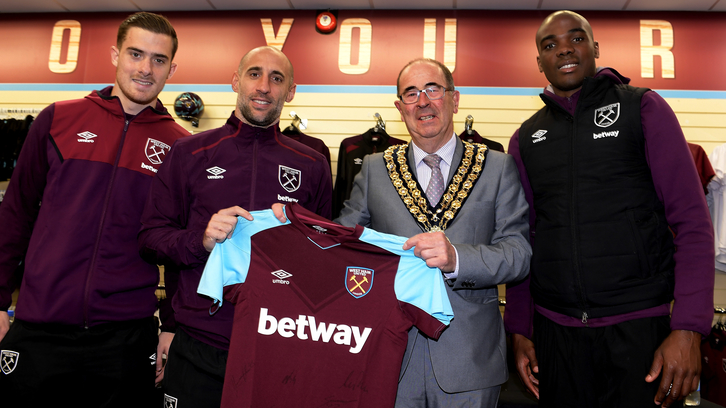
(679,357)
(435,249)
(162,351)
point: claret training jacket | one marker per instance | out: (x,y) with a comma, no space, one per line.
(73,208)
(234,165)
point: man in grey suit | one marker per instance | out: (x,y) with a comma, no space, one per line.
(473,227)
(476,233)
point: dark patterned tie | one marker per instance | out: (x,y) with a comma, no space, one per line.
(436,185)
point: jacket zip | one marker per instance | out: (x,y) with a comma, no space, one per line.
(106,201)
(573,217)
(253,184)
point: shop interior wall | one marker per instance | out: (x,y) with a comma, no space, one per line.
(333,117)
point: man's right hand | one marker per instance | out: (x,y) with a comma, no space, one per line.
(278,210)
(526,362)
(4,324)
(222,224)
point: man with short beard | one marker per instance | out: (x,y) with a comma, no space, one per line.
(85,334)
(211,179)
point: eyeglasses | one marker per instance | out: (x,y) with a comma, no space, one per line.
(433,92)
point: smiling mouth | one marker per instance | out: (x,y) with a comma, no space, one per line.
(142,82)
(260,100)
(424,118)
(569,66)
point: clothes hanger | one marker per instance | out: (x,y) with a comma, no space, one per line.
(468,123)
(296,124)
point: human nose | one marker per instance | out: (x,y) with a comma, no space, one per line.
(263,85)
(144,66)
(421,101)
(564,50)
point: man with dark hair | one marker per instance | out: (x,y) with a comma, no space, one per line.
(150,22)
(195,201)
(620,228)
(84,333)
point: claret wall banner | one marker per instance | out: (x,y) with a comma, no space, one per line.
(660,50)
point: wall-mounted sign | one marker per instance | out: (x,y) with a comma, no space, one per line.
(662,50)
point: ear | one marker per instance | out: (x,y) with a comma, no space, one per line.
(597,49)
(456,96)
(114,55)
(539,64)
(235,82)
(291,93)
(172,70)
(400,108)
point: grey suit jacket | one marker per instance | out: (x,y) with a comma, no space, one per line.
(490,235)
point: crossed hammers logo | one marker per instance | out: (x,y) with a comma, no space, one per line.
(358,284)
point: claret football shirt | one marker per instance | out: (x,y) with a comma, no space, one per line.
(322,311)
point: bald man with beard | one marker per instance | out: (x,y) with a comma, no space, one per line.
(218,175)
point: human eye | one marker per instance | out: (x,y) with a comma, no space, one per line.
(548,46)
(278,79)
(160,61)
(434,91)
(411,93)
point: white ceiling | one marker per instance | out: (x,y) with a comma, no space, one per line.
(59,6)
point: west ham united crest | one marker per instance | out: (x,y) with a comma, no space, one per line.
(289,178)
(8,361)
(358,281)
(169,401)
(607,115)
(156,150)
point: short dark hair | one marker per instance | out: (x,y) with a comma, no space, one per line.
(155,23)
(444,69)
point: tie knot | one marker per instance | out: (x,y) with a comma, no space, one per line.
(432,160)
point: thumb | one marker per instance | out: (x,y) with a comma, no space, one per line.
(655,368)
(535,365)
(158,360)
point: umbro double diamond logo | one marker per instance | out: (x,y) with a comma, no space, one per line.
(539,136)
(86,137)
(215,173)
(281,277)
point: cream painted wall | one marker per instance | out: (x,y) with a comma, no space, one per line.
(333,117)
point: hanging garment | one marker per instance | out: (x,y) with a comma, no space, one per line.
(713,361)
(350,159)
(703,165)
(472,136)
(317,144)
(716,199)
(12,136)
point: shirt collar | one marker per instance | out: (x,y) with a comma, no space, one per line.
(446,152)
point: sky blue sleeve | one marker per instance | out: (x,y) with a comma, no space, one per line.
(229,261)
(416,283)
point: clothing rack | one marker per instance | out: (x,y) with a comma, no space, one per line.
(24,111)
